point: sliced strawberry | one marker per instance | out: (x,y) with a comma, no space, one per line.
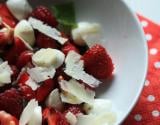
(24,59)
(11,101)
(7,18)
(44,14)
(44,41)
(52,117)
(68,47)
(43,91)
(98,63)
(7,119)
(76,110)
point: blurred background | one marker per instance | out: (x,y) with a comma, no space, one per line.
(147,8)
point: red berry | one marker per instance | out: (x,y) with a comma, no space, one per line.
(52,117)
(11,101)
(7,17)
(15,72)
(98,63)
(23,78)
(44,41)
(24,59)
(73,109)
(44,14)
(68,47)
(7,119)
(27,92)
(44,90)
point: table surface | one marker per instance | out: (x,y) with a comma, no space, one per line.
(148,8)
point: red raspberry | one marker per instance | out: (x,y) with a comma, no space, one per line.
(73,109)
(11,101)
(68,47)
(52,117)
(44,90)
(98,63)
(24,59)
(7,119)
(23,78)
(44,41)
(44,14)
(27,92)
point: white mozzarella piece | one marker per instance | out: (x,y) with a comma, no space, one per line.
(83,30)
(5,73)
(25,31)
(75,69)
(47,30)
(40,74)
(78,90)
(32,84)
(48,58)
(19,8)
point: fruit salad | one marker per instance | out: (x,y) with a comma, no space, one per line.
(50,67)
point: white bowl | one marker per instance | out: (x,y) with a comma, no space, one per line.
(126,44)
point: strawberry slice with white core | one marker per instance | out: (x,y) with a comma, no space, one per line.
(19,8)
(54,100)
(47,30)
(5,73)
(25,31)
(71,118)
(31,114)
(78,90)
(75,69)
(82,34)
(48,58)
(40,74)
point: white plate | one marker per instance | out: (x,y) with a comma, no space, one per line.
(126,44)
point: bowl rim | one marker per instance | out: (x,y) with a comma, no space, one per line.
(134,102)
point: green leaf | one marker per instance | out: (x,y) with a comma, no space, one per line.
(65,15)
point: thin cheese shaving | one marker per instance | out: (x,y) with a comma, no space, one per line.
(75,69)
(47,30)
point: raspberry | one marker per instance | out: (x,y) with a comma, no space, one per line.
(73,109)
(44,14)
(11,101)
(97,62)
(44,41)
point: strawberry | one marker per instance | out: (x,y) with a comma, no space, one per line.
(52,117)
(43,91)
(7,119)
(44,14)
(76,110)
(44,41)
(7,18)
(24,58)
(97,62)
(68,47)
(11,101)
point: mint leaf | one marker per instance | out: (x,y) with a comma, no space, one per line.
(65,15)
